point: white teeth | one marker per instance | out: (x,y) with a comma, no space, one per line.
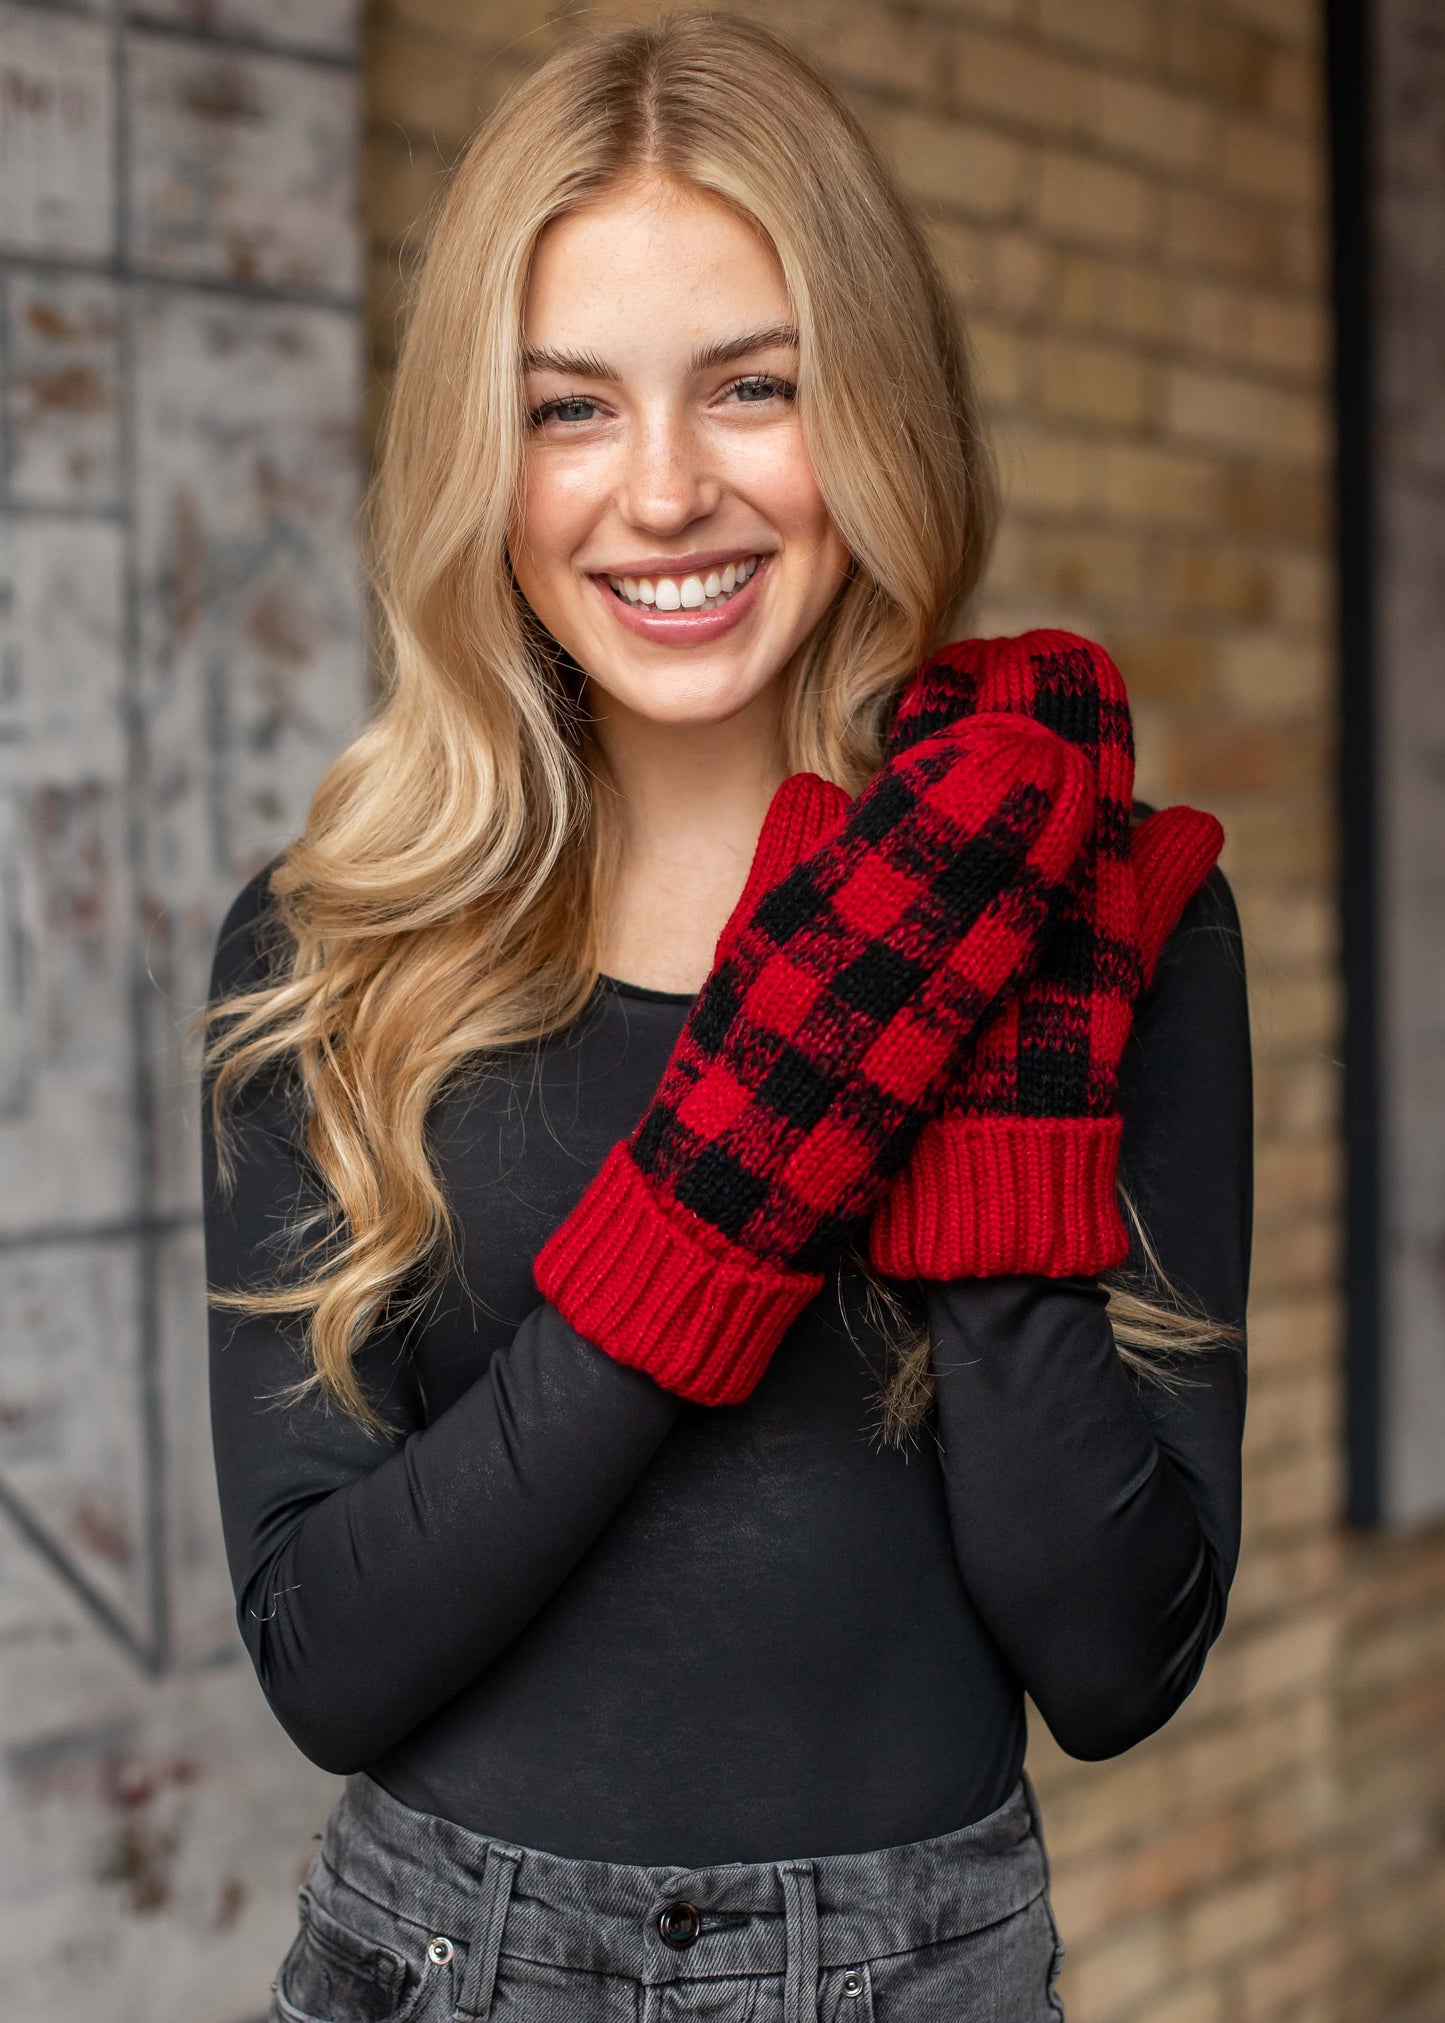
(687,593)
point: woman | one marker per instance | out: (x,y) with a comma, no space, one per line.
(608,1112)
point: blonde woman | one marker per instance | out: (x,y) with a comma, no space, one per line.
(680,1370)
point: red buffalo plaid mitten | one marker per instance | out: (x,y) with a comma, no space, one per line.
(1017,1171)
(820,1045)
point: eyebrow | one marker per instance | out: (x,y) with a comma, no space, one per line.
(587,365)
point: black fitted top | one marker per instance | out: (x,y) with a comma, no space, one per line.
(564,1607)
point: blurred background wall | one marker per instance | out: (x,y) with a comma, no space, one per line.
(181,644)
(1130,199)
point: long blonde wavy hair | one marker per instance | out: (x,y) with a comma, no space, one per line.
(442,902)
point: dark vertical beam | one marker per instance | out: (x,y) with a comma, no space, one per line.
(1352,161)
(149,1374)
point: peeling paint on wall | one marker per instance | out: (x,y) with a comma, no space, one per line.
(62,389)
(57,116)
(237,163)
(181,650)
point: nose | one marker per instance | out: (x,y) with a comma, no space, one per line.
(668,482)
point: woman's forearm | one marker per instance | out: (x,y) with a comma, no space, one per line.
(1097,1514)
(1075,1530)
(372,1586)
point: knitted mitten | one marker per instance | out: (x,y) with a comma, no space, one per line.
(1016,1173)
(819,1046)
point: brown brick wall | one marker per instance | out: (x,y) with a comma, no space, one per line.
(1129,199)
(1392,1735)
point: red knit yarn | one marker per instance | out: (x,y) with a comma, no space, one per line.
(665,1292)
(1017,1171)
(1173,852)
(995,1197)
(822,1042)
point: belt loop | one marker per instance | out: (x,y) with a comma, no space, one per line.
(800,1913)
(484,1945)
(1036,1821)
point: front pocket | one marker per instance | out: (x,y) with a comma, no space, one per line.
(335,1975)
(1000,1973)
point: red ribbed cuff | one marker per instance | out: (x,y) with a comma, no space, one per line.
(661,1290)
(994,1197)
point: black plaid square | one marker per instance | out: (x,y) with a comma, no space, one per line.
(880,981)
(798,1089)
(718,1187)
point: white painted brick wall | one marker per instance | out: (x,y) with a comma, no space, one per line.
(181,648)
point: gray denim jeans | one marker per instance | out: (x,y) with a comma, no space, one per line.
(408,1918)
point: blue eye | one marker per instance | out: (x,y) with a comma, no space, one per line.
(576,408)
(572,407)
(761,386)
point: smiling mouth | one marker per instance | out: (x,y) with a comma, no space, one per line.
(707,592)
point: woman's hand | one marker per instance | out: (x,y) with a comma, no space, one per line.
(1016,1173)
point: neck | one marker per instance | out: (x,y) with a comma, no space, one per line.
(693,798)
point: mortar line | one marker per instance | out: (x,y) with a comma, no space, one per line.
(148,1243)
(229,42)
(97,1605)
(123,271)
(126,1229)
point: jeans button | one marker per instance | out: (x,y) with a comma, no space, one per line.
(852,1984)
(439,1950)
(679,1923)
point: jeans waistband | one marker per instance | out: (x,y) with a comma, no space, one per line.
(796,1917)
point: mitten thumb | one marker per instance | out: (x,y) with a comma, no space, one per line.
(802,815)
(1173,852)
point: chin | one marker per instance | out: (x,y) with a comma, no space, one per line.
(705,703)
(687,692)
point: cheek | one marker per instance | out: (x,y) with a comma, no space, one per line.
(557,509)
(776,476)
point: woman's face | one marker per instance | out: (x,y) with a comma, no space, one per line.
(671,534)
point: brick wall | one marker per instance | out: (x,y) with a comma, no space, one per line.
(1128,196)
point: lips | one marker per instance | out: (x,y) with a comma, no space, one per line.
(682,611)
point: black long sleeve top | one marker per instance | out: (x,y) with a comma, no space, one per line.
(562,1606)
